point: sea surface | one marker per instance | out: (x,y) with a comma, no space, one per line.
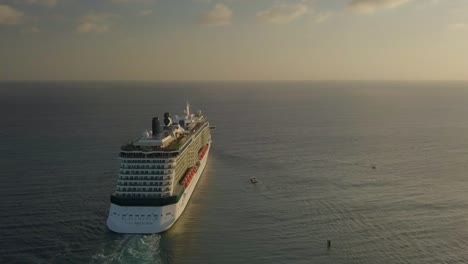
(378,168)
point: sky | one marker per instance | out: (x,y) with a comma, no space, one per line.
(183,40)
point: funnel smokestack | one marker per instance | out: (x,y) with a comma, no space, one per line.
(156,127)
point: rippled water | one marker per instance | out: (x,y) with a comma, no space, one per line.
(312,146)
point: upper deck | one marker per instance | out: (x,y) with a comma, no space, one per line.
(170,141)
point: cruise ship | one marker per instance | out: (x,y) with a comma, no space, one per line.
(158,173)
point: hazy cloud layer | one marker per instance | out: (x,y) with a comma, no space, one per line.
(220,15)
(282,14)
(10,16)
(95,23)
(370,6)
(323,16)
(133,1)
(458,27)
(49,3)
(144,13)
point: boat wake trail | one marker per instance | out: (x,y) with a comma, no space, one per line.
(131,249)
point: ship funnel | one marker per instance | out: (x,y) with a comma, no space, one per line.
(156,127)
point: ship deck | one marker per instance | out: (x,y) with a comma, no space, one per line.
(175,145)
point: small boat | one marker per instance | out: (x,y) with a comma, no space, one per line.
(253,180)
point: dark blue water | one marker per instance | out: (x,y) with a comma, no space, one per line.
(312,145)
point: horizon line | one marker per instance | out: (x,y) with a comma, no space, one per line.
(285,80)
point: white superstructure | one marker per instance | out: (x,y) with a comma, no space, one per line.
(158,174)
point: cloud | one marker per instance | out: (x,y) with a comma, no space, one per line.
(458,27)
(34,29)
(144,13)
(220,15)
(133,1)
(371,6)
(31,30)
(282,14)
(95,23)
(48,3)
(10,16)
(323,16)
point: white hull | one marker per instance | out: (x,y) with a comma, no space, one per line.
(148,219)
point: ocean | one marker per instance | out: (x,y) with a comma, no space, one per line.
(378,168)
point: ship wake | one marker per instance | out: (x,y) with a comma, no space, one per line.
(131,249)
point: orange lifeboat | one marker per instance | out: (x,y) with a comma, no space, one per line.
(202,153)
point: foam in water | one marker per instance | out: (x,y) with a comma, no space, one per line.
(131,249)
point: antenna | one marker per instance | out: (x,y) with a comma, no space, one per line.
(187,108)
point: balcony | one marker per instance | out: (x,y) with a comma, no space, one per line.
(145,178)
(143,183)
(127,199)
(147,167)
(145,172)
(148,190)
